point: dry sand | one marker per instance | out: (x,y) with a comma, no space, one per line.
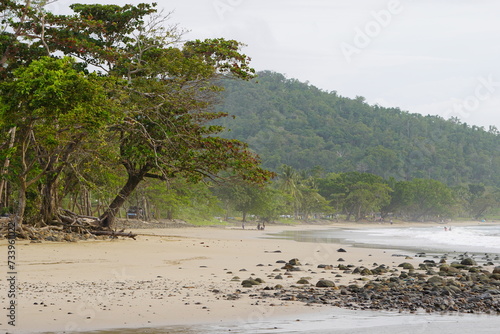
(167,277)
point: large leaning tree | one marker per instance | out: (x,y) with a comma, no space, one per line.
(165,90)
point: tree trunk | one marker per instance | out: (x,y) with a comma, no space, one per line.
(108,217)
(21,204)
(6,164)
(50,202)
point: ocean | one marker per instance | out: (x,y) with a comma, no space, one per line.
(480,241)
(436,238)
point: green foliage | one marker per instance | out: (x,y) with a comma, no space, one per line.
(153,95)
(356,194)
(421,199)
(293,123)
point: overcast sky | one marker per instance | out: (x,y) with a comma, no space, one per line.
(438,57)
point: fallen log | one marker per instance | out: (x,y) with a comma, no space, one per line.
(70,213)
(115,234)
(51,227)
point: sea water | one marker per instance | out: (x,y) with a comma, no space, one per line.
(435,238)
(477,239)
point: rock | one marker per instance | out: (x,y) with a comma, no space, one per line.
(436,280)
(325,284)
(259,280)
(249,281)
(448,270)
(278,277)
(407,266)
(366,272)
(341,250)
(302,281)
(287,266)
(294,262)
(468,262)
(496,270)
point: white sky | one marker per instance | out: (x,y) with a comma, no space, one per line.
(438,57)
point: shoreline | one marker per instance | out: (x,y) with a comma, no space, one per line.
(182,276)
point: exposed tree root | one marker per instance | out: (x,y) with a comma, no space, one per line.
(68,226)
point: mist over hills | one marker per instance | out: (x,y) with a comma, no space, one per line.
(290,122)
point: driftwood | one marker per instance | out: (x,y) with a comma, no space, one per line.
(115,234)
(67,222)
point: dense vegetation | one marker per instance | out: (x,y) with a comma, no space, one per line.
(107,108)
(296,124)
(100,100)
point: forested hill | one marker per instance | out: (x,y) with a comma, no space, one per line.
(290,122)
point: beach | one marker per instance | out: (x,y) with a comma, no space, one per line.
(181,277)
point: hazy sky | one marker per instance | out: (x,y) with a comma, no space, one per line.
(438,57)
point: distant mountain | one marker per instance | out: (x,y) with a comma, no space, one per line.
(290,122)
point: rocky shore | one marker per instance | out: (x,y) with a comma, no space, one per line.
(461,286)
(186,276)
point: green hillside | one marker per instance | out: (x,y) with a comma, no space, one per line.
(290,122)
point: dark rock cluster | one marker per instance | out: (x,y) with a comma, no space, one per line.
(462,286)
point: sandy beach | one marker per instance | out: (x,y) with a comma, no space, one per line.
(178,276)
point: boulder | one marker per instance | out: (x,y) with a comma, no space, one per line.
(366,272)
(325,284)
(436,280)
(249,281)
(407,266)
(468,262)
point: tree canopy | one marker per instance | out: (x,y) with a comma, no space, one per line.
(292,123)
(125,84)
